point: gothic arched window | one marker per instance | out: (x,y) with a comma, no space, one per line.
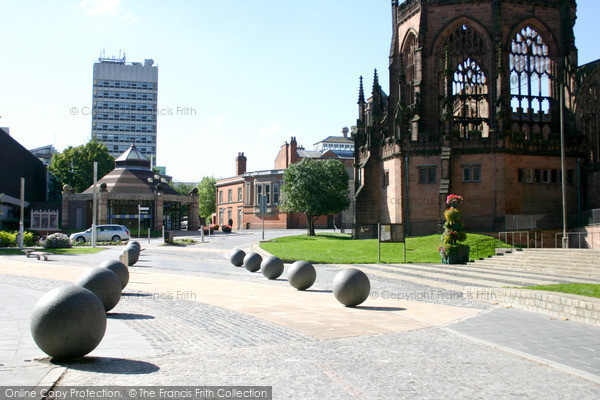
(409,65)
(463,81)
(470,96)
(530,81)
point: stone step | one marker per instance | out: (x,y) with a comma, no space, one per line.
(502,270)
(567,274)
(540,264)
(452,271)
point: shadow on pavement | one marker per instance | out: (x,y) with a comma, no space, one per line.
(128,316)
(318,291)
(373,308)
(107,365)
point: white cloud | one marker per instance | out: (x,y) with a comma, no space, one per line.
(99,7)
(270,130)
(131,18)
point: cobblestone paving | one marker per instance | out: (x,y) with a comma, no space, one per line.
(426,364)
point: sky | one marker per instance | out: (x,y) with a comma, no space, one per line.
(234,75)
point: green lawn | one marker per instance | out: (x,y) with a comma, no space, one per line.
(340,248)
(582,289)
(73,250)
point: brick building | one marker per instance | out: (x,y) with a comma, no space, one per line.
(474,109)
(238,196)
(120,192)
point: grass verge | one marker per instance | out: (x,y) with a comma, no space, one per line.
(581,289)
(73,250)
(339,248)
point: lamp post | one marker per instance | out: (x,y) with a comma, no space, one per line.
(94,205)
(565,241)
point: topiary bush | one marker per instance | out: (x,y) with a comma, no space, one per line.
(450,249)
(57,241)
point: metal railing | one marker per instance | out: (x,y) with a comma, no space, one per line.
(512,235)
(583,240)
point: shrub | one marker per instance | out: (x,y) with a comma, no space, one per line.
(57,241)
(9,239)
(206,230)
(226,228)
(453,229)
(214,227)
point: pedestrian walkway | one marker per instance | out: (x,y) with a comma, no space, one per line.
(21,360)
(567,345)
(178,327)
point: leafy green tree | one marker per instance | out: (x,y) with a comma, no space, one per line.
(182,188)
(315,188)
(75,165)
(207,197)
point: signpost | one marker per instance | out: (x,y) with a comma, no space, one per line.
(142,210)
(391,233)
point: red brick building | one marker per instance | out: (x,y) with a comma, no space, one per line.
(474,109)
(238,197)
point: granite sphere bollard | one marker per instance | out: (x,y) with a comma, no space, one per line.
(252,261)
(351,287)
(302,275)
(118,268)
(236,257)
(68,322)
(135,243)
(132,255)
(272,267)
(103,283)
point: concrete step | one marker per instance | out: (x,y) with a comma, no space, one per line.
(567,274)
(543,264)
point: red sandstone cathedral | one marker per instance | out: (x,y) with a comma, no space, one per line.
(474,108)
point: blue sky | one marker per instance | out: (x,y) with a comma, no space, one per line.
(252,73)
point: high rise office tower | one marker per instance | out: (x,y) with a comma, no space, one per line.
(124,105)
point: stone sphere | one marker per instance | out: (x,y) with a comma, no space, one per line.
(133,255)
(237,257)
(136,244)
(351,287)
(302,275)
(118,268)
(252,261)
(68,322)
(272,267)
(103,283)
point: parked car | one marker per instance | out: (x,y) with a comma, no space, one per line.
(105,233)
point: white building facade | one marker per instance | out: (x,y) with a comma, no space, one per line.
(124,105)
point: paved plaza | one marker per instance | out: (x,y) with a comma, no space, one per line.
(188,317)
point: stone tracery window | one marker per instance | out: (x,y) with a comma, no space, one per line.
(463,52)
(530,81)
(409,65)
(470,94)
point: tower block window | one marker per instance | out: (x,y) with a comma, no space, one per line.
(470,93)
(530,83)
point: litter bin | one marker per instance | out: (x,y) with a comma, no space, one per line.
(169,237)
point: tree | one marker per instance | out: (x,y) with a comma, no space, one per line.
(207,200)
(182,188)
(75,165)
(315,188)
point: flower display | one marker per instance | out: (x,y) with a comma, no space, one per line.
(57,241)
(453,231)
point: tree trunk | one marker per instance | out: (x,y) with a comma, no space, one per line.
(310,225)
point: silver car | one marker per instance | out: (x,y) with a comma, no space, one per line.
(104,233)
